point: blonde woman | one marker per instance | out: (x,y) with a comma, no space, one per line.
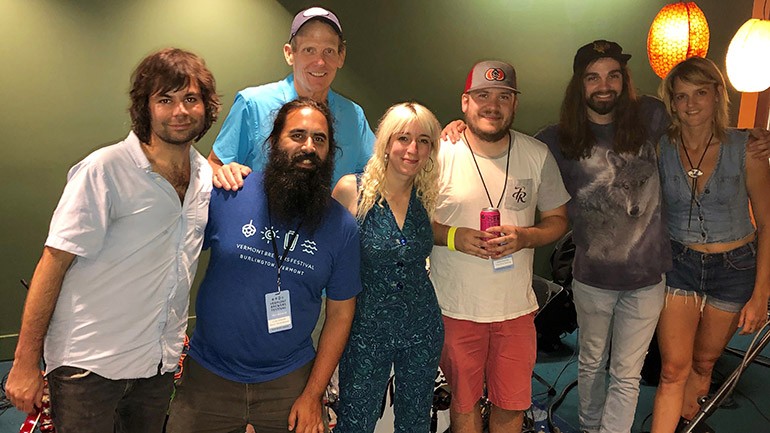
(398,321)
(721,275)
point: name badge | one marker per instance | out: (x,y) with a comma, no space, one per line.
(278,305)
(502,263)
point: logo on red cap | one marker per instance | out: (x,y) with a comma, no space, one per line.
(494,74)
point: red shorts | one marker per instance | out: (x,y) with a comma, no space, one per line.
(502,352)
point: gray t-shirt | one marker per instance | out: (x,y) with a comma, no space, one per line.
(620,238)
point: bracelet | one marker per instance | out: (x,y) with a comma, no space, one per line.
(450,238)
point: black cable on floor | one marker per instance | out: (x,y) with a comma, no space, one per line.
(555,405)
(5,404)
(572,359)
(525,428)
(641,426)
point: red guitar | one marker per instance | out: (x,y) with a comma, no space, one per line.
(42,418)
(185,349)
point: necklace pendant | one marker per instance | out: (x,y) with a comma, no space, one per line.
(695,173)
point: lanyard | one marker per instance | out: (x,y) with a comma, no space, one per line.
(507,163)
(292,238)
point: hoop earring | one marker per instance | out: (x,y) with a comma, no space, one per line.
(432,164)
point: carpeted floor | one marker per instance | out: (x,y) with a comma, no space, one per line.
(750,412)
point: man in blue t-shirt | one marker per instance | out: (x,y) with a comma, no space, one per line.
(275,245)
(315,51)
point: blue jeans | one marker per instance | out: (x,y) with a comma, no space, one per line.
(627,321)
(83,402)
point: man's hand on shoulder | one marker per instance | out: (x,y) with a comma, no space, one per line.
(453,131)
(230,176)
(759,143)
(305,415)
(227,176)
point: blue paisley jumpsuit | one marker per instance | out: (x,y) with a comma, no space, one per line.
(397,323)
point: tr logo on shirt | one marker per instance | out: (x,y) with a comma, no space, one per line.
(519,194)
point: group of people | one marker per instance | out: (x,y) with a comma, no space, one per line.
(657,195)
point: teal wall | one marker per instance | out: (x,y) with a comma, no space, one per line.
(65,64)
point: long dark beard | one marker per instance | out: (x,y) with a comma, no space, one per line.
(298,194)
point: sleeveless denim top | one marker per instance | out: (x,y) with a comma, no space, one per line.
(721,212)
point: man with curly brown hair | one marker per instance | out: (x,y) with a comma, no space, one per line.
(110,294)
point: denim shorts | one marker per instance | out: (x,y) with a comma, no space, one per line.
(725,280)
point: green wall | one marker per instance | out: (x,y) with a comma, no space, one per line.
(64,68)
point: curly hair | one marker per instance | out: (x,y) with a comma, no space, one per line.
(170,69)
(698,71)
(395,120)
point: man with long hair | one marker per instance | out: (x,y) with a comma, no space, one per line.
(276,243)
(483,279)
(605,147)
(111,291)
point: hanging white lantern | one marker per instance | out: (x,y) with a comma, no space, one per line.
(748,57)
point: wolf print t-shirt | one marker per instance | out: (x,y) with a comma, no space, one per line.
(621,241)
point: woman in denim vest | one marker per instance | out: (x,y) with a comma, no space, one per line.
(721,275)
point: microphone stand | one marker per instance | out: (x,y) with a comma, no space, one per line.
(708,407)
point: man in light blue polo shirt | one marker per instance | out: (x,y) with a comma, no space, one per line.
(316,49)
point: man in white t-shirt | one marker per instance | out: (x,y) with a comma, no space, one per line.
(483,279)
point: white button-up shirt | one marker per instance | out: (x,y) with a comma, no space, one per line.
(122,310)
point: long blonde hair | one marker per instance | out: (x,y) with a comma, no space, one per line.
(394,121)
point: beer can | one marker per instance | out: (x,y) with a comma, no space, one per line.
(490,217)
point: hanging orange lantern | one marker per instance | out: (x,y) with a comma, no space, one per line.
(679,31)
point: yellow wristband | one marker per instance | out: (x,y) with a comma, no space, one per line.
(450,239)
